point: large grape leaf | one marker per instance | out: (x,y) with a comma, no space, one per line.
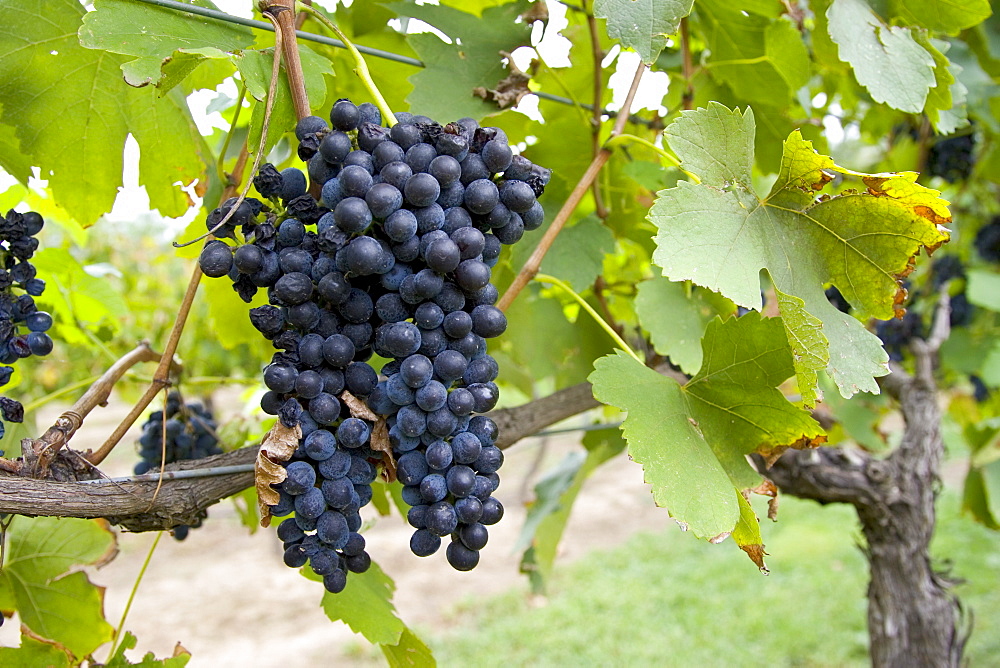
(887,60)
(643,25)
(157,37)
(721,234)
(950,16)
(72,111)
(365,605)
(945,107)
(443,89)
(762,59)
(38,579)
(676,319)
(692,440)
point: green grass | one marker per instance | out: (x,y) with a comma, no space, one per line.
(667,599)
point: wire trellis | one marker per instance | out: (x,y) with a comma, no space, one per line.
(368,51)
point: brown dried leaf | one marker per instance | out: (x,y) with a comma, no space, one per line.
(509,90)
(756,554)
(276,448)
(771,453)
(359,408)
(766,488)
(380,443)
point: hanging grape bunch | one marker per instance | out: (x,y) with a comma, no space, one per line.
(409,223)
(190,434)
(23,328)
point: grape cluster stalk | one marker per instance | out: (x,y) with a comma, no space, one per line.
(393,260)
(23,328)
(189,433)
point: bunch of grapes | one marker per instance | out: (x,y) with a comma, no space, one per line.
(988,240)
(393,259)
(952,158)
(23,328)
(190,434)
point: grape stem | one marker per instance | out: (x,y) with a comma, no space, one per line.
(281,13)
(534,263)
(545,278)
(361,68)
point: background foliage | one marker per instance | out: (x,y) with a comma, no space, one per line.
(809,102)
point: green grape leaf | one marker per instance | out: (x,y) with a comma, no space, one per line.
(128,641)
(154,35)
(578,258)
(444,88)
(38,575)
(721,234)
(981,495)
(983,289)
(676,320)
(73,112)
(951,16)
(643,25)
(692,440)
(409,652)
(365,605)
(887,60)
(158,128)
(762,59)
(12,160)
(945,106)
(34,653)
(809,347)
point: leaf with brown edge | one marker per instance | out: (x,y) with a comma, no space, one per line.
(861,241)
(692,440)
(768,489)
(276,448)
(747,534)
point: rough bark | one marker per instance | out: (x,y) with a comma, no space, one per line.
(912,618)
(141,507)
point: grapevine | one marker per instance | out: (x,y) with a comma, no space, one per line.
(409,222)
(23,328)
(180,431)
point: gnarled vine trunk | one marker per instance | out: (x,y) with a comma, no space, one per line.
(913,620)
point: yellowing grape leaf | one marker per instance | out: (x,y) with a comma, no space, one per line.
(692,440)
(720,234)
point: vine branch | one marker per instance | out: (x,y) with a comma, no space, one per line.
(534,263)
(283,12)
(40,452)
(131,504)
